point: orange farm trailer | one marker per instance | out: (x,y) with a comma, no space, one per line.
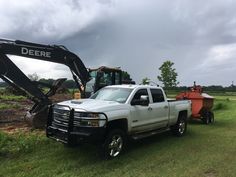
(202,103)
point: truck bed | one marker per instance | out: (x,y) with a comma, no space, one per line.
(172,100)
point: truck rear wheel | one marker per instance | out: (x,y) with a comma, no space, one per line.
(180,127)
(114,144)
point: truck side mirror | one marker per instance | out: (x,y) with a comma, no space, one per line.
(143,101)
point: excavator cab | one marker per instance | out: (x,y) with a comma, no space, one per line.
(101,77)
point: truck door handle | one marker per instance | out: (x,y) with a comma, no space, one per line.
(166,107)
(149,109)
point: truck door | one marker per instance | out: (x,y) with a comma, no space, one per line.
(140,114)
(159,109)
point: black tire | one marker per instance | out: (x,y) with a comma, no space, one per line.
(180,128)
(206,118)
(114,144)
(212,118)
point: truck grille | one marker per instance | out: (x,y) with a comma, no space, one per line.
(65,118)
(61,118)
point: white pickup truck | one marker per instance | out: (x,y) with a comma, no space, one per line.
(115,113)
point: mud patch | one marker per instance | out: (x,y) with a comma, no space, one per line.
(210,173)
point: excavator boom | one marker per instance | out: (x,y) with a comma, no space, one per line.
(52,53)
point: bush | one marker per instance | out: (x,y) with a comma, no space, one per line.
(12,98)
(9,106)
(219,106)
(11,90)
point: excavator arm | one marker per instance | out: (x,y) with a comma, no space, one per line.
(11,74)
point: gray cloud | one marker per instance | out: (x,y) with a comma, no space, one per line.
(50,20)
(138,35)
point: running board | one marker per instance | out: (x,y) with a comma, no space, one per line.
(147,134)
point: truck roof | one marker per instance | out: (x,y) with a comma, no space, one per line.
(132,86)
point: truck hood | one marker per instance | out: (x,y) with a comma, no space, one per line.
(92,105)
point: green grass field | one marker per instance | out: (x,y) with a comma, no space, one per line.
(205,151)
(11,98)
(10,101)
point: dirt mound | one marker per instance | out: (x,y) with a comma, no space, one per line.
(14,116)
(14,127)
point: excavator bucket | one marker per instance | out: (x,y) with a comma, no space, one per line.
(37,119)
(37,116)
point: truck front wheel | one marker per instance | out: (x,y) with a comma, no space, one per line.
(114,143)
(180,127)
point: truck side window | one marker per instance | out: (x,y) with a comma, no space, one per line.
(139,93)
(157,95)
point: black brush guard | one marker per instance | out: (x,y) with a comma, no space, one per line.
(68,132)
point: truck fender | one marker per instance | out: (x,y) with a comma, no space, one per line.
(121,123)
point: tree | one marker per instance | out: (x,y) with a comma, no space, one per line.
(47,81)
(126,75)
(70,84)
(168,75)
(3,84)
(33,77)
(145,81)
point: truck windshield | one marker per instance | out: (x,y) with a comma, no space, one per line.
(112,94)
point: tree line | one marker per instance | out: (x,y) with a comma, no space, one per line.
(168,78)
(72,85)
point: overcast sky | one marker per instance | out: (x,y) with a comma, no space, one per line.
(137,35)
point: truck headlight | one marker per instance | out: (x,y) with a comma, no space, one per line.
(95,120)
(90,119)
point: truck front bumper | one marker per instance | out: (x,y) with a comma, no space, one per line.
(88,135)
(67,132)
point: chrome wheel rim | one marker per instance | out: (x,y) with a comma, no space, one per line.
(115,146)
(181,127)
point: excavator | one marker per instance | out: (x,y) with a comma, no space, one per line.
(88,81)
